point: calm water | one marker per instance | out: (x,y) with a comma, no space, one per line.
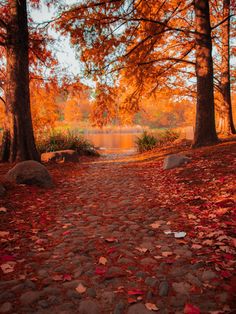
(115,141)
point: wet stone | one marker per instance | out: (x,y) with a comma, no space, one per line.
(163,289)
(43,303)
(18,288)
(151,282)
(6,295)
(138,309)
(108,297)
(89,307)
(208,275)
(30,297)
(91,292)
(148,261)
(42,273)
(119,308)
(6,307)
(72,294)
(141,274)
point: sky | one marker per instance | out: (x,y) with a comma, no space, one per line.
(64,52)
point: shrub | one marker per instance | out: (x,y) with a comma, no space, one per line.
(61,141)
(149,141)
(146,142)
(167,137)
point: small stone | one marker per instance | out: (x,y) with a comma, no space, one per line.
(163,289)
(108,297)
(141,274)
(193,280)
(42,273)
(30,297)
(151,282)
(208,275)
(6,307)
(89,307)
(44,304)
(71,284)
(178,301)
(51,290)
(138,309)
(119,308)
(91,292)
(72,294)
(181,287)
(30,284)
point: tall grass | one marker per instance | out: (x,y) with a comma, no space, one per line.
(65,140)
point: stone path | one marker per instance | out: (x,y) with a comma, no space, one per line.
(100,253)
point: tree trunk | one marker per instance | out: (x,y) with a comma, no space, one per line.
(225,111)
(22,145)
(205,130)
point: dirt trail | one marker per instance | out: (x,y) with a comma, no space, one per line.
(98,241)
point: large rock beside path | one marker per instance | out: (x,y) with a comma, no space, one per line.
(30,172)
(60,156)
(173,161)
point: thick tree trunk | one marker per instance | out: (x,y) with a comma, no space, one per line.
(205,131)
(17,87)
(225,110)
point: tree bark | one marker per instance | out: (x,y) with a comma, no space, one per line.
(205,130)
(225,110)
(22,146)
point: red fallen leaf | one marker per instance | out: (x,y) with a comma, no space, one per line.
(111,250)
(225,203)
(111,240)
(100,271)
(135,292)
(191,309)
(67,277)
(229,256)
(66,232)
(7,258)
(131,300)
(225,274)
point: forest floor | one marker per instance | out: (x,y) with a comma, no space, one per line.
(118,234)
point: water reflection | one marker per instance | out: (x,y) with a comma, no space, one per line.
(114,141)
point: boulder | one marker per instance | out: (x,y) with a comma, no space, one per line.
(30,172)
(173,161)
(60,156)
(2,190)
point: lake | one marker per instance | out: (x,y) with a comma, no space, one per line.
(117,142)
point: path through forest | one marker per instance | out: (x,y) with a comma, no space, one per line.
(99,243)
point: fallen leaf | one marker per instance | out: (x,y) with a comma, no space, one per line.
(155,225)
(3,209)
(4,233)
(142,249)
(131,300)
(81,288)
(191,309)
(8,267)
(57,277)
(166,254)
(196,246)
(67,277)
(207,242)
(100,271)
(151,307)
(168,232)
(102,260)
(111,240)
(135,292)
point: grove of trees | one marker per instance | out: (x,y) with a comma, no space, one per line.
(133,50)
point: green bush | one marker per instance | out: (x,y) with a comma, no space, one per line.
(146,142)
(167,137)
(149,141)
(65,140)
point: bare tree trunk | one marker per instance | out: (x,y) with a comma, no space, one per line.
(22,146)
(205,131)
(226,105)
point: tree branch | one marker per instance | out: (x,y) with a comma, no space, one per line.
(224,20)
